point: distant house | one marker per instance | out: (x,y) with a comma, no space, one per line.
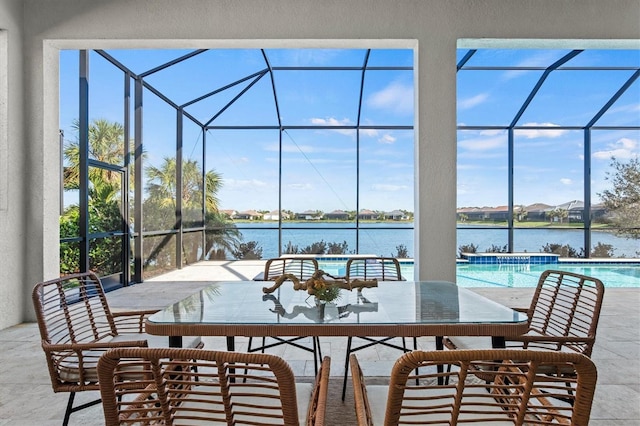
(499,213)
(471,213)
(248,215)
(395,215)
(537,212)
(230,214)
(337,215)
(309,215)
(367,215)
(575,208)
(275,215)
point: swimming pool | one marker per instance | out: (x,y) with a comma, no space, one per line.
(513,276)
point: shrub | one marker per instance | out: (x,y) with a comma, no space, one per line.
(247,251)
(470,248)
(401,252)
(319,247)
(496,249)
(562,250)
(290,249)
(338,248)
(602,250)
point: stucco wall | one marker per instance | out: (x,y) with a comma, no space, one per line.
(433,26)
(12,151)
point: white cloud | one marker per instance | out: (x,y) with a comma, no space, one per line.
(493,132)
(623,148)
(330,121)
(388,187)
(244,184)
(472,101)
(387,139)
(483,144)
(396,97)
(566,181)
(541,133)
(369,132)
(542,59)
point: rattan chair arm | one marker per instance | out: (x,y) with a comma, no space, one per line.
(131,321)
(318,404)
(551,339)
(363,411)
(49,347)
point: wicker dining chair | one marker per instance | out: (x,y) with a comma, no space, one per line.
(367,268)
(77,326)
(187,386)
(302,268)
(563,316)
(518,391)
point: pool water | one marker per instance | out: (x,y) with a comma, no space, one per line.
(524,275)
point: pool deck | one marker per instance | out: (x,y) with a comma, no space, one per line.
(26,397)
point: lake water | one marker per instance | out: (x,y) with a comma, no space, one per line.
(383,238)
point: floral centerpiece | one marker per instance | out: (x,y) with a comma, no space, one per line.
(325,292)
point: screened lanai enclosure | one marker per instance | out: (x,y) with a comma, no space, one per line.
(170,157)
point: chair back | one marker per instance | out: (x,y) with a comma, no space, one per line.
(71,310)
(566,307)
(187,386)
(517,390)
(367,268)
(301,267)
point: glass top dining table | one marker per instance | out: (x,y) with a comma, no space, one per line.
(392,308)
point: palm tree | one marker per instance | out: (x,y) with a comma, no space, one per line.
(562,214)
(221,236)
(106,144)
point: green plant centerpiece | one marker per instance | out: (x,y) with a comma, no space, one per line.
(324,290)
(325,293)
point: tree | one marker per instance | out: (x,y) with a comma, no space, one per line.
(623,200)
(520,213)
(221,235)
(562,214)
(248,251)
(551,214)
(106,144)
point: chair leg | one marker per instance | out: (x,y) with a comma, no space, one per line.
(71,409)
(346,368)
(317,354)
(67,413)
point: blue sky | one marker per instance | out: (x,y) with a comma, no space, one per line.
(549,156)
(319,166)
